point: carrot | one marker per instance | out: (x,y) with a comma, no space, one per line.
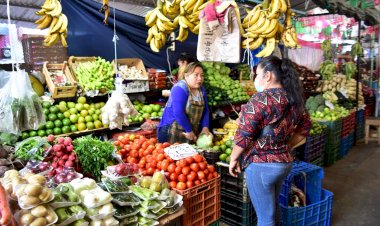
(6,213)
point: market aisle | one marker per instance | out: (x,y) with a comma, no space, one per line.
(355,182)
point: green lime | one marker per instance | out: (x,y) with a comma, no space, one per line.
(223,147)
(154,114)
(57,131)
(215,148)
(223,157)
(62,108)
(66,122)
(70,104)
(66,129)
(73,128)
(46,111)
(67,114)
(95,117)
(84,113)
(160,113)
(81,119)
(97,111)
(52,117)
(42,127)
(88,118)
(73,111)
(81,126)
(228,159)
(54,109)
(102,104)
(62,103)
(58,123)
(33,133)
(86,106)
(91,111)
(79,106)
(25,135)
(60,116)
(98,106)
(46,104)
(98,124)
(49,125)
(228,151)
(41,133)
(81,100)
(74,118)
(90,125)
(228,143)
(49,131)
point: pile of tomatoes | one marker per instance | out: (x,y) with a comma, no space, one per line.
(151,158)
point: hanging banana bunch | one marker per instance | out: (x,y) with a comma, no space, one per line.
(52,17)
(106,10)
(289,36)
(262,25)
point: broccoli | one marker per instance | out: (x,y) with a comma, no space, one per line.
(308,102)
(321,108)
(319,99)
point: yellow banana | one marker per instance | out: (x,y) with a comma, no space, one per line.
(161,16)
(155,30)
(263,27)
(152,18)
(153,47)
(53,23)
(268,49)
(176,21)
(205,4)
(150,36)
(272,25)
(260,22)
(246,42)
(64,24)
(294,35)
(148,15)
(39,21)
(47,38)
(53,39)
(271,33)
(183,33)
(50,5)
(63,40)
(165,26)
(197,5)
(46,22)
(250,35)
(41,12)
(275,11)
(58,25)
(256,43)
(186,22)
(195,30)
(284,6)
(190,5)
(57,10)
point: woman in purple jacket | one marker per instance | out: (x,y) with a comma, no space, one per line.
(186,114)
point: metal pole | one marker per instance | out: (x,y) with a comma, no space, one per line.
(371,53)
(357,80)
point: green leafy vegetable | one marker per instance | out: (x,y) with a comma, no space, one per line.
(34,148)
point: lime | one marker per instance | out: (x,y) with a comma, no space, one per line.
(79,106)
(156,108)
(98,106)
(102,104)
(95,117)
(46,104)
(147,109)
(73,128)
(154,114)
(32,133)
(228,143)
(62,103)
(88,118)
(60,116)
(52,117)
(228,151)
(100,117)
(223,157)
(41,133)
(67,114)
(216,148)
(54,109)
(58,123)
(98,124)
(81,126)
(141,119)
(82,100)
(81,119)
(137,108)
(86,106)
(62,108)
(66,122)
(73,111)
(146,115)
(49,131)
(98,111)
(49,125)
(84,113)
(92,111)
(73,118)
(71,104)
(228,159)
(160,113)
(90,125)
(92,105)
(42,127)
(46,111)
(24,135)
(57,131)
(223,147)
(66,129)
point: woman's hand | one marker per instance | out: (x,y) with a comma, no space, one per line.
(205,130)
(190,136)
(234,168)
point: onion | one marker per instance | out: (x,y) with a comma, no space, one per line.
(71,176)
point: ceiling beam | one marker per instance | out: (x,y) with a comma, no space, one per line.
(20,4)
(13,18)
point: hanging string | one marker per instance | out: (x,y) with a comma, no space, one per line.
(115,38)
(10,35)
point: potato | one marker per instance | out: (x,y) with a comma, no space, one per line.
(39,222)
(29,200)
(26,219)
(51,217)
(20,189)
(37,179)
(11,174)
(39,211)
(45,195)
(33,189)
(27,175)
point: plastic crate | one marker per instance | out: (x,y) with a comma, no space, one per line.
(316,214)
(303,172)
(235,212)
(346,126)
(318,161)
(202,203)
(351,141)
(331,155)
(344,147)
(314,148)
(216,223)
(333,131)
(360,124)
(233,186)
(352,121)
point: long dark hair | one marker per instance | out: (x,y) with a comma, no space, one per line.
(286,74)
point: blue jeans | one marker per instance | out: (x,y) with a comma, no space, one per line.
(163,134)
(264,182)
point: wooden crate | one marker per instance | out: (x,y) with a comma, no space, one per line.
(132,62)
(73,63)
(59,91)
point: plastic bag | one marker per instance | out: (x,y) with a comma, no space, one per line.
(149,125)
(21,109)
(36,167)
(34,148)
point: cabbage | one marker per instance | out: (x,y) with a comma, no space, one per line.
(204,141)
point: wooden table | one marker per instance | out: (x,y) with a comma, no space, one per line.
(165,220)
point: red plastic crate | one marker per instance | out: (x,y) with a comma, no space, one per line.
(202,203)
(346,126)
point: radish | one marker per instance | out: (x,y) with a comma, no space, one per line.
(69,148)
(54,165)
(72,157)
(69,164)
(51,138)
(55,159)
(59,154)
(65,157)
(67,141)
(61,162)
(51,173)
(60,140)
(59,169)
(56,148)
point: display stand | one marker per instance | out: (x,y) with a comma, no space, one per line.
(171,217)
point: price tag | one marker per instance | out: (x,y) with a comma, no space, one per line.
(180,151)
(329,104)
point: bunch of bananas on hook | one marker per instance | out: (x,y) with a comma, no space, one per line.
(52,17)
(289,36)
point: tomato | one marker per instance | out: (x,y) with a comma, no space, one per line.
(133,160)
(124,141)
(192,176)
(194,167)
(189,184)
(210,176)
(135,147)
(182,163)
(160,150)
(182,178)
(177,163)
(211,168)
(154,140)
(198,158)
(145,145)
(141,165)
(153,163)
(206,171)
(165,164)
(167,175)
(170,159)
(123,151)
(202,165)
(201,175)
(141,153)
(148,165)
(116,143)
(197,182)
(189,160)
(150,171)
(171,168)
(134,153)
(178,170)
(159,165)
(181,186)
(142,161)
(186,170)
(203,181)
(143,172)
(166,144)
(173,184)
(119,138)
(173,177)
(215,174)
(159,146)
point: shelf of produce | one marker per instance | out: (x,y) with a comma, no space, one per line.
(167,219)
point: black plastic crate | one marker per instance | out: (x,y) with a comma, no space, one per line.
(333,131)
(318,161)
(331,155)
(314,148)
(233,186)
(303,172)
(235,212)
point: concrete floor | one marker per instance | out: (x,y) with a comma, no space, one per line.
(355,182)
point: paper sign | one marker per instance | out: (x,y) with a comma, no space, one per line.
(180,151)
(329,104)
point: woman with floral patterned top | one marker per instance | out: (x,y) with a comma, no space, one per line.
(270,124)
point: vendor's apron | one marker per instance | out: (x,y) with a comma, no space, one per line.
(194,112)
